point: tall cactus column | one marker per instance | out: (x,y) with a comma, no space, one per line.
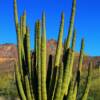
(28,50)
(81,55)
(88,83)
(70,31)
(15,14)
(59,45)
(38,57)
(43,59)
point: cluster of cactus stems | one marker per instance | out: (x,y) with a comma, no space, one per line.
(37,80)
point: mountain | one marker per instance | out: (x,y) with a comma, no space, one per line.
(8,51)
(8,54)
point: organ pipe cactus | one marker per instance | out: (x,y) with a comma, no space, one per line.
(15,14)
(33,79)
(71,25)
(81,55)
(43,59)
(86,91)
(59,46)
(38,30)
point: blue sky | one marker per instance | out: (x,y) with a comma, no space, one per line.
(87,20)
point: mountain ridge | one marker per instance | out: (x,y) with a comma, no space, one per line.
(8,54)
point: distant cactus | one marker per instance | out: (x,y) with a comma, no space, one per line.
(58,82)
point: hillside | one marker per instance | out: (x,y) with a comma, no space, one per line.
(8,53)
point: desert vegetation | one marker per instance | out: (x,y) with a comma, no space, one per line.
(38,81)
(39,76)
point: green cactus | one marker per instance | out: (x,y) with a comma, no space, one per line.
(43,59)
(70,31)
(19,83)
(15,14)
(71,89)
(70,65)
(59,83)
(33,79)
(81,56)
(19,49)
(28,56)
(73,40)
(24,23)
(75,92)
(39,57)
(53,83)
(86,91)
(28,91)
(66,76)
(59,45)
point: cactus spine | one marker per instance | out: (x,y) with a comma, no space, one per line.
(32,78)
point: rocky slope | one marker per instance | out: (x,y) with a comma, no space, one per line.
(8,51)
(8,54)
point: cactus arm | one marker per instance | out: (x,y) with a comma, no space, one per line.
(28,92)
(53,83)
(69,74)
(86,91)
(19,49)
(66,76)
(24,23)
(59,45)
(39,58)
(72,95)
(15,13)
(67,43)
(49,72)
(22,39)
(72,59)
(50,68)
(73,40)
(71,89)
(43,60)
(20,87)
(28,51)
(81,56)
(75,92)
(59,83)
(21,21)
(35,46)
